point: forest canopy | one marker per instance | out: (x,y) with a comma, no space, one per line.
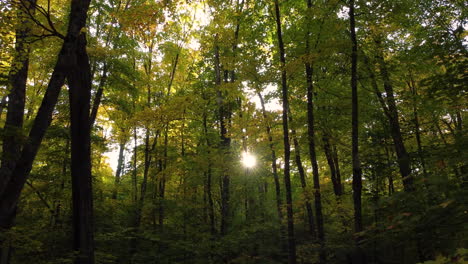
(240,131)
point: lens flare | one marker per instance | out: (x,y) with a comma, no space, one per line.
(248,160)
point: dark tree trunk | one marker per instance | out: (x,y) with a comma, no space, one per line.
(66,62)
(391,188)
(79,82)
(174,68)
(134,172)
(225,189)
(337,168)
(225,145)
(3,103)
(118,171)
(140,203)
(400,149)
(390,111)
(414,93)
(357,171)
(98,96)
(55,221)
(162,180)
(332,160)
(274,167)
(313,160)
(208,187)
(302,176)
(147,165)
(154,181)
(287,149)
(13,128)
(312,151)
(144,182)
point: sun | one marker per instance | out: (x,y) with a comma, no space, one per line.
(248,160)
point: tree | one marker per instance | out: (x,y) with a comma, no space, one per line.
(287,151)
(165,97)
(67,56)
(79,82)
(357,171)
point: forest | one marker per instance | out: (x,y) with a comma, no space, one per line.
(233,131)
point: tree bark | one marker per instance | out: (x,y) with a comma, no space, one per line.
(16,97)
(225,145)
(55,219)
(274,167)
(162,180)
(391,188)
(414,93)
(208,187)
(302,176)
(357,171)
(403,158)
(3,104)
(313,160)
(98,96)
(118,171)
(337,168)
(332,160)
(134,172)
(67,59)
(312,150)
(79,82)
(287,148)
(147,154)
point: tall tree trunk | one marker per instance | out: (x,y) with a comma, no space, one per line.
(357,171)
(140,202)
(148,150)
(312,150)
(274,168)
(134,172)
(208,188)
(13,128)
(10,194)
(332,160)
(302,176)
(225,145)
(79,82)
(391,188)
(173,72)
(287,149)
(98,96)
(400,149)
(55,221)
(146,165)
(154,182)
(162,180)
(313,160)
(337,168)
(118,171)
(417,127)
(16,97)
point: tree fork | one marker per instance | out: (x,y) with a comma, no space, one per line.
(65,62)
